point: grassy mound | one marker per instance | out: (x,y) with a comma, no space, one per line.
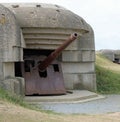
(107,75)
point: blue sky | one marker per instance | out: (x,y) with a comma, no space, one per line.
(102,15)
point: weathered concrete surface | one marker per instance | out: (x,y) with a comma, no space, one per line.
(10,42)
(14,85)
(10,38)
(77,96)
(46,16)
(81,56)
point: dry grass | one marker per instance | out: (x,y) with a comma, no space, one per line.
(104,62)
(12,113)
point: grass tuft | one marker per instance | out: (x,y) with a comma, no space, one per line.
(13,98)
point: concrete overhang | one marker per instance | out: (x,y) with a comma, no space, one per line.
(47,16)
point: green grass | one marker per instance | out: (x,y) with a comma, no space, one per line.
(13,98)
(108,82)
(106,63)
(19,100)
(107,76)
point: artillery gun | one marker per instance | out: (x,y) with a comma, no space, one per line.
(44,75)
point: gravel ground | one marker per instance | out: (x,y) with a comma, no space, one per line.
(108,105)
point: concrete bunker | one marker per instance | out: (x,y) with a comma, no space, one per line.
(29,31)
(113,55)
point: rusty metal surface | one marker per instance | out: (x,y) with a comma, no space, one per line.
(43,75)
(43,83)
(44,64)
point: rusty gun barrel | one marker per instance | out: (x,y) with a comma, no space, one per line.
(47,61)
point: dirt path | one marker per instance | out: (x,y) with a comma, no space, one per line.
(13,113)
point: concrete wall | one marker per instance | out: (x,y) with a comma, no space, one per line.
(79,65)
(108,54)
(10,45)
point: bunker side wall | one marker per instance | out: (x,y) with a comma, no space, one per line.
(10,50)
(79,65)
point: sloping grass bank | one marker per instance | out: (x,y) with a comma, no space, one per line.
(108,82)
(13,98)
(107,75)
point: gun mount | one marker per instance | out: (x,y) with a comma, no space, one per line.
(43,74)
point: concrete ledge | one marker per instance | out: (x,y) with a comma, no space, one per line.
(77,96)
